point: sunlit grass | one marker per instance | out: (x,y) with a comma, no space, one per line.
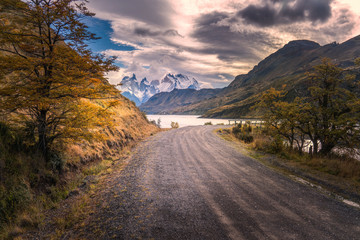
(341,171)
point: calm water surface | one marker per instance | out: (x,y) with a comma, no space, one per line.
(184,120)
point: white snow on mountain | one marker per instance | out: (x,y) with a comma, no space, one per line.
(140,91)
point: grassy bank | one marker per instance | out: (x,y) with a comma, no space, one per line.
(338,174)
(29,186)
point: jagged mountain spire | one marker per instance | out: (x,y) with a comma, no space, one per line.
(140,91)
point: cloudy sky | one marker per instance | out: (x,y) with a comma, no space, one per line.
(212,40)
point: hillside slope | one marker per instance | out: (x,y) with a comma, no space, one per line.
(286,66)
(130,126)
(28,185)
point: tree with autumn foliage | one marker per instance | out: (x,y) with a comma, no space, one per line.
(49,79)
(331,111)
(281,118)
(328,117)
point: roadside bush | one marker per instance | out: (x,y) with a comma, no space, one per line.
(14,191)
(208,123)
(245,137)
(277,145)
(56,161)
(225,130)
(13,200)
(23,174)
(243,133)
(262,142)
(237,129)
(6,135)
(248,129)
(174,125)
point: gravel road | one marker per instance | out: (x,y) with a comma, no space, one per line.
(190,184)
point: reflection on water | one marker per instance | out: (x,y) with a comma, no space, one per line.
(184,120)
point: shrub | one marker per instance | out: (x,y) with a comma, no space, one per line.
(174,125)
(262,143)
(237,129)
(56,162)
(246,137)
(277,145)
(248,129)
(208,123)
(13,200)
(243,133)
(226,131)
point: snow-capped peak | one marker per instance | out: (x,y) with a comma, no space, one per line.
(179,81)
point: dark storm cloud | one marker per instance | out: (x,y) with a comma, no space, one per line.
(229,45)
(342,23)
(277,12)
(155,12)
(147,32)
(263,16)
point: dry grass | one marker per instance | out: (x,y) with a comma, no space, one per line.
(75,215)
(340,166)
(81,159)
(129,126)
(260,143)
(337,172)
(337,166)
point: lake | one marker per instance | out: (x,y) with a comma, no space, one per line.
(184,120)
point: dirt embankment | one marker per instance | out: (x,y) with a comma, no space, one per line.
(130,126)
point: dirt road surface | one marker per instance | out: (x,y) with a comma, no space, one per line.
(190,184)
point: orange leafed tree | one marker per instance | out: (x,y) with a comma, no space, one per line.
(47,72)
(328,116)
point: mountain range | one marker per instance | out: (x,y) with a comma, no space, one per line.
(286,67)
(165,102)
(140,91)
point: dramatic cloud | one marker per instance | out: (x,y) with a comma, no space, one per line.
(215,40)
(286,12)
(153,12)
(146,32)
(216,33)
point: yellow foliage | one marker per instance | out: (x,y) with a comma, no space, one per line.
(44,81)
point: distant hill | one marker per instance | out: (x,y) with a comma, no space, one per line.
(140,91)
(287,66)
(165,102)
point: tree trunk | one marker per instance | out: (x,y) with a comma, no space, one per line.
(326,148)
(42,129)
(316,146)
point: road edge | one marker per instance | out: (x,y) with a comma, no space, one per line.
(275,163)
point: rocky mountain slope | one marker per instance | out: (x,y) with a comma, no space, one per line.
(140,91)
(287,66)
(165,102)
